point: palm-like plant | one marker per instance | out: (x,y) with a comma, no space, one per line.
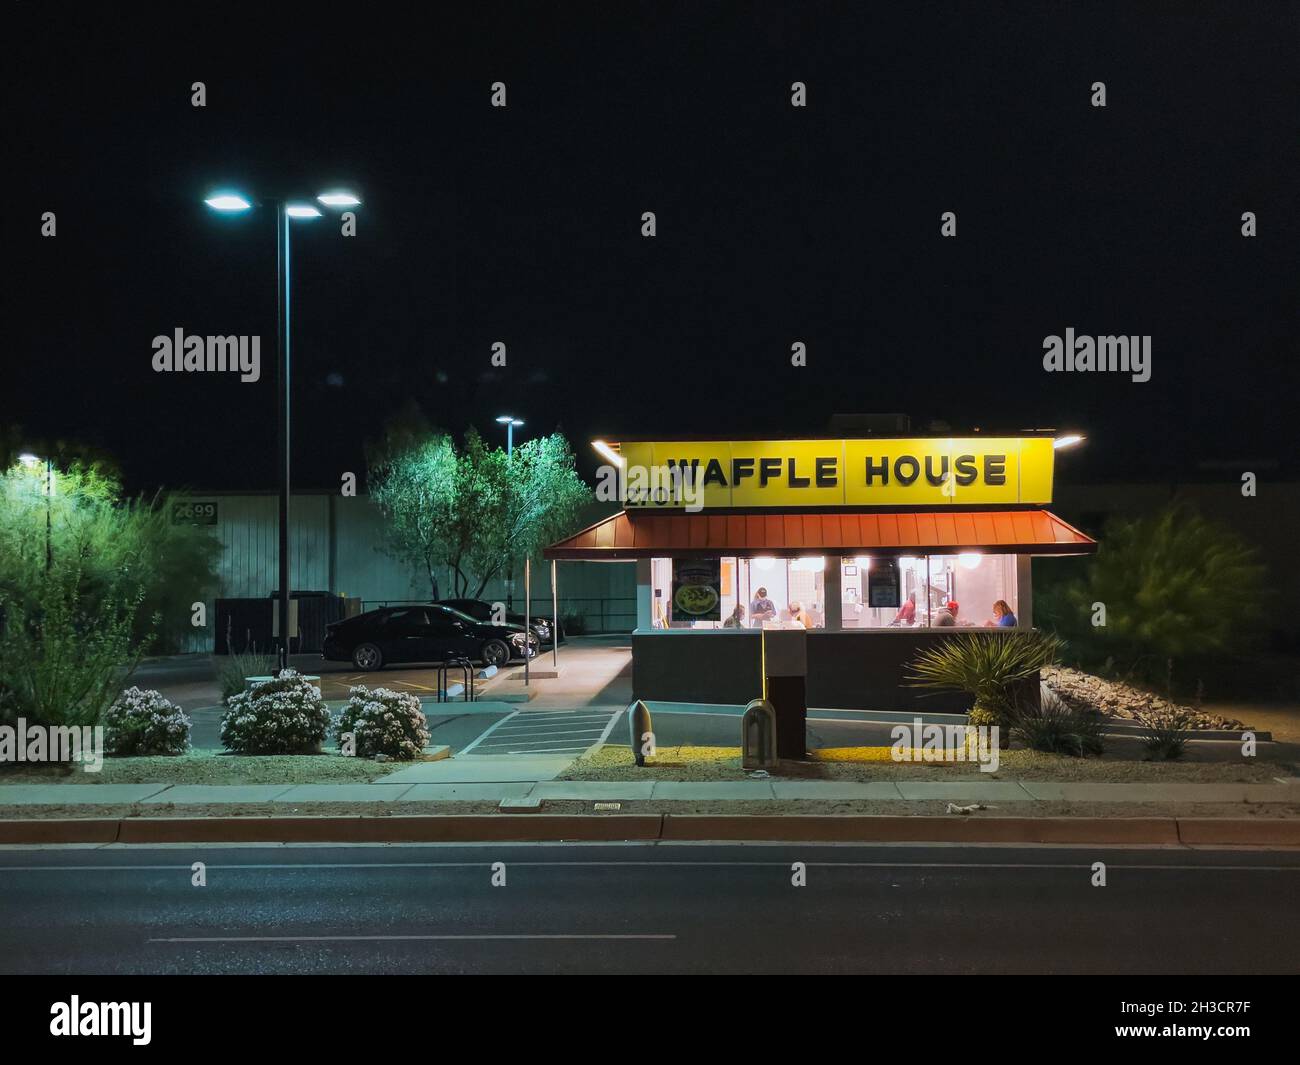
(988,666)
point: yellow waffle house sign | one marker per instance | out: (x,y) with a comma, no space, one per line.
(877,472)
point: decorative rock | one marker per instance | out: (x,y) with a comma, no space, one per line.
(1114,698)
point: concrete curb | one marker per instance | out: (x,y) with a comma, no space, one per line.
(60,830)
(1258,831)
(798,828)
(835,828)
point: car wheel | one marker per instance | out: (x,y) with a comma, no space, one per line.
(495,653)
(368,656)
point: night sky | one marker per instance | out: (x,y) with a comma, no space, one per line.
(775,224)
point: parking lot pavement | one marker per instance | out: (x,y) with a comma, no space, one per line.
(546,732)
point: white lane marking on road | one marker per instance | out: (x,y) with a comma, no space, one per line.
(398,939)
(635,864)
(495,725)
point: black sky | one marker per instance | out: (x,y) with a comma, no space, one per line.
(775,224)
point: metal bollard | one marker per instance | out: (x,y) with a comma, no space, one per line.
(758,735)
(640,729)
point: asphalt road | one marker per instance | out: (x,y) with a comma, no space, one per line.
(646,908)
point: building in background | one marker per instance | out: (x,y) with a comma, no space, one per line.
(336,547)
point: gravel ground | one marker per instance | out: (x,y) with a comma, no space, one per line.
(1117,698)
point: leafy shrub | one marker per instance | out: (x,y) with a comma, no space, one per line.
(988,666)
(236,667)
(285,715)
(574,624)
(143,722)
(118,551)
(384,722)
(1050,724)
(1164,731)
(60,662)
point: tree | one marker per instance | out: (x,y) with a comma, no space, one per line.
(120,550)
(471,509)
(540,497)
(1174,588)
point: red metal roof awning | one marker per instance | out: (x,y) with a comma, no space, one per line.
(629,535)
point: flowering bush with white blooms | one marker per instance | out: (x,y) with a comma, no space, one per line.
(284,715)
(142,721)
(383,722)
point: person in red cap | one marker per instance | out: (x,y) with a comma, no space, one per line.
(948,615)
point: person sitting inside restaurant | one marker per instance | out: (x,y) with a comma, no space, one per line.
(799,616)
(907,612)
(761,609)
(946,615)
(737,619)
(1002,616)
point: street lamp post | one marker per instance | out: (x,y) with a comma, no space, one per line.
(510,421)
(283,211)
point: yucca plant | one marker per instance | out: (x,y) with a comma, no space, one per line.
(1052,725)
(234,670)
(1164,732)
(987,666)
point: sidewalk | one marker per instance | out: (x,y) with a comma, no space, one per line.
(481,780)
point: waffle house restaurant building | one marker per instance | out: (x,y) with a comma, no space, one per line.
(879,547)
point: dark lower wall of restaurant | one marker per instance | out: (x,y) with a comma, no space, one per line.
(846,670)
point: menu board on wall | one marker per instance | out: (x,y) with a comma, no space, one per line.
(883,583)
(697,589)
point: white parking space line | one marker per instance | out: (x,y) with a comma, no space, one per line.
(488,732)
(518,732)
(550,732)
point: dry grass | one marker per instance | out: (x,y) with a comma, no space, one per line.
(208,767)
(723,763)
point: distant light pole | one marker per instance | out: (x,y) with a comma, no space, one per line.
(284,210)
(510,421)
(31,461)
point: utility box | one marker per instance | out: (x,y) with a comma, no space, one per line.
(785,670)
(758,736)
(640,732)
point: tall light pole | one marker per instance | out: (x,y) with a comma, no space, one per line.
(283,211)
(510,421)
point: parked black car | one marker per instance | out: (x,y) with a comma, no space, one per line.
(422,634)
(482,611)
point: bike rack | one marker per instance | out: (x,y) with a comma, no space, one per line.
(467,675)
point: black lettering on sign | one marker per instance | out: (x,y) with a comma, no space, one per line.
(873,468)
(767,469)
(930,475)
(824,471)
(740,469)
(914,466)
(713,474)
(995,469)
(795,480)
(965,467)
